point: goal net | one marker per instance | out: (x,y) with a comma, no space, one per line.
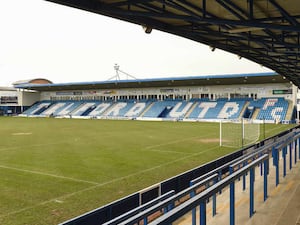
(238,133)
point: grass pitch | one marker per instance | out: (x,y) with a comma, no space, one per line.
(54,169)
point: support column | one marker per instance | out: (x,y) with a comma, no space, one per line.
(298,147)
(220,178)
(251,192)
(291,156)
(266,179)
(298,144)
(203,212)
(244,178)
(192,194)
(275,155)
(295,151)
(214,202)
(284,151)
(231,200)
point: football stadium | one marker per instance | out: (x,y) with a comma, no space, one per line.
(208,149)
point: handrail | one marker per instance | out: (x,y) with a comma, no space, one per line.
(167,202)
(187,206)
(134,211)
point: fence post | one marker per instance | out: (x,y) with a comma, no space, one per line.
(284,151)
(266,179)
(232,199)
(251,192)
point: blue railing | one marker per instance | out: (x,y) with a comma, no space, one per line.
(223,171)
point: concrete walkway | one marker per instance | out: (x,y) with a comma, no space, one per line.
(281,208)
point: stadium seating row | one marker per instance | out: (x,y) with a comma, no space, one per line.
(269,109)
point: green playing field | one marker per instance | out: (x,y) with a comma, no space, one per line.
(54,169)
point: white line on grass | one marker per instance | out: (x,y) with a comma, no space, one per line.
(170,142)
(28,146)
(48,174)
(150,148)
(275,128)
(103,184)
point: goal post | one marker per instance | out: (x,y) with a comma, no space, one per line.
(238,133)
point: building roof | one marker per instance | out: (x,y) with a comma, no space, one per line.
(226,79)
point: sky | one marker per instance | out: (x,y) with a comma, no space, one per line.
(40,39)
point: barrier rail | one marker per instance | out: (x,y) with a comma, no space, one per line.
(187,206)
(168,203)
(133,212)
(181,182)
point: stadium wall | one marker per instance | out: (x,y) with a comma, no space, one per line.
(29,98)
(254,91)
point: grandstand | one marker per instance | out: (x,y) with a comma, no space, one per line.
(187,99)
(266,32)
(171,109)
(205,98)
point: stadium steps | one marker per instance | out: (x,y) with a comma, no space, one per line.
(243,109)
(191,110)
(256,112)
(289,113)
(108,108)
(82,108)
(148,107)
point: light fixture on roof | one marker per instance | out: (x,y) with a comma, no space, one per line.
(240,57)
(212,48)
(147,29)
(118,71)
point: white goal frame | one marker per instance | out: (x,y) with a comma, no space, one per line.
(238,133)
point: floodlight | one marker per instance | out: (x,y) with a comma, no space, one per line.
(212,48)
(147,29)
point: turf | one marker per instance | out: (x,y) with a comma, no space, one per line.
(54,169)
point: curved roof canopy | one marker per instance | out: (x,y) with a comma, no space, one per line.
(264,31)
(36,81)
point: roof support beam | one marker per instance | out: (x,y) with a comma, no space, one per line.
(228,7)
(266,31)
(284,13)
(204,8)
(251,11)
(197,18)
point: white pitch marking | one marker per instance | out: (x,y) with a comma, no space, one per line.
(36,145)
(275,128)
(58,201)
(48,174)
(173,142)
(176,152)
(17,134)
(103,184)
